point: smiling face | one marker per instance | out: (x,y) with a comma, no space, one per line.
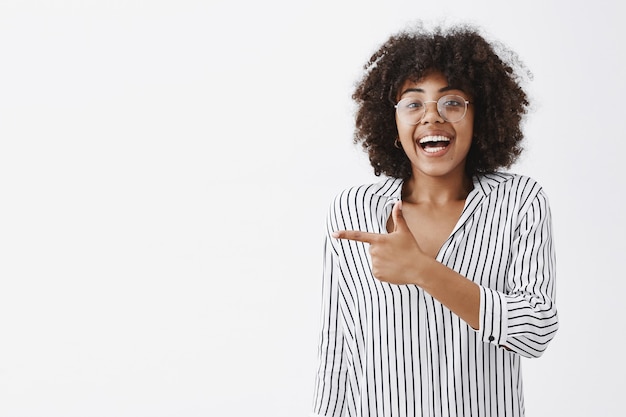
(435,147)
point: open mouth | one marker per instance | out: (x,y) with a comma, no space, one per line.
(434,144)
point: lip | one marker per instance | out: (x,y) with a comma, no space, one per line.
(434,133)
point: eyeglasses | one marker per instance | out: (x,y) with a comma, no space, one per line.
(451,108)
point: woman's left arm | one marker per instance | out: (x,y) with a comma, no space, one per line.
(525,319)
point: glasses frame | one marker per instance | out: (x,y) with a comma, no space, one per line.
(439,106)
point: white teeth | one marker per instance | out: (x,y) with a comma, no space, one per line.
(433,150)
(434,139)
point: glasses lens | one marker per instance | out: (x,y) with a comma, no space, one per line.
(452,108)
(410,110)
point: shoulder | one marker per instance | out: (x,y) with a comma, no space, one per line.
(517,190)
(508,183)
(363,196)
(385,188)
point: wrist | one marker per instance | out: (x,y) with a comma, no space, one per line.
(426,268)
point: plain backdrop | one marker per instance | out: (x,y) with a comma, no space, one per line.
(165,171)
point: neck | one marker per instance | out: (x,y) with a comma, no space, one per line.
(421,188)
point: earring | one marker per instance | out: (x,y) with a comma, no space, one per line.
(397,144)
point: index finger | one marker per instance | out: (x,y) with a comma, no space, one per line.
(356,235)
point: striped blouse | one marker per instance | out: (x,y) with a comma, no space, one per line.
(393,350)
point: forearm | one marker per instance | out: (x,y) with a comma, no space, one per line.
(459,294)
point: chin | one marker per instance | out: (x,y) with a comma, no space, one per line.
(433,170)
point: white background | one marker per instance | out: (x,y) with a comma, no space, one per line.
(165,170)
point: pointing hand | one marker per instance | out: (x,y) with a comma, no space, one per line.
(396,255)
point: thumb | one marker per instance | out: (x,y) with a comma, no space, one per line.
(398,218)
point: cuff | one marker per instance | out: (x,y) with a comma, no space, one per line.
(493,317)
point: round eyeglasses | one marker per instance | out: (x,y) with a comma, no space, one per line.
(451,108)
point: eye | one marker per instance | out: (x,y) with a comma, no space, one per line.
(453,102)
(413,104)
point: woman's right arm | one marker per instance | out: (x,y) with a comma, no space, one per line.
(330,383)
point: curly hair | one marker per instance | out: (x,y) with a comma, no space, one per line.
(484,70)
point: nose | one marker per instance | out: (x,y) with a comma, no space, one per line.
(431,113)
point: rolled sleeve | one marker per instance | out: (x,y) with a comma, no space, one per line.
(493,317)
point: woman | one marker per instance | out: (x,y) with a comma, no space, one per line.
(440,277)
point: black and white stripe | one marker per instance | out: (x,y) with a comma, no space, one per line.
(394,351)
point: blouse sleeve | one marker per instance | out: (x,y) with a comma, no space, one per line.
(524,318)
(330,381)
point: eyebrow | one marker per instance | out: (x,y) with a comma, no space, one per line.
(420,90)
